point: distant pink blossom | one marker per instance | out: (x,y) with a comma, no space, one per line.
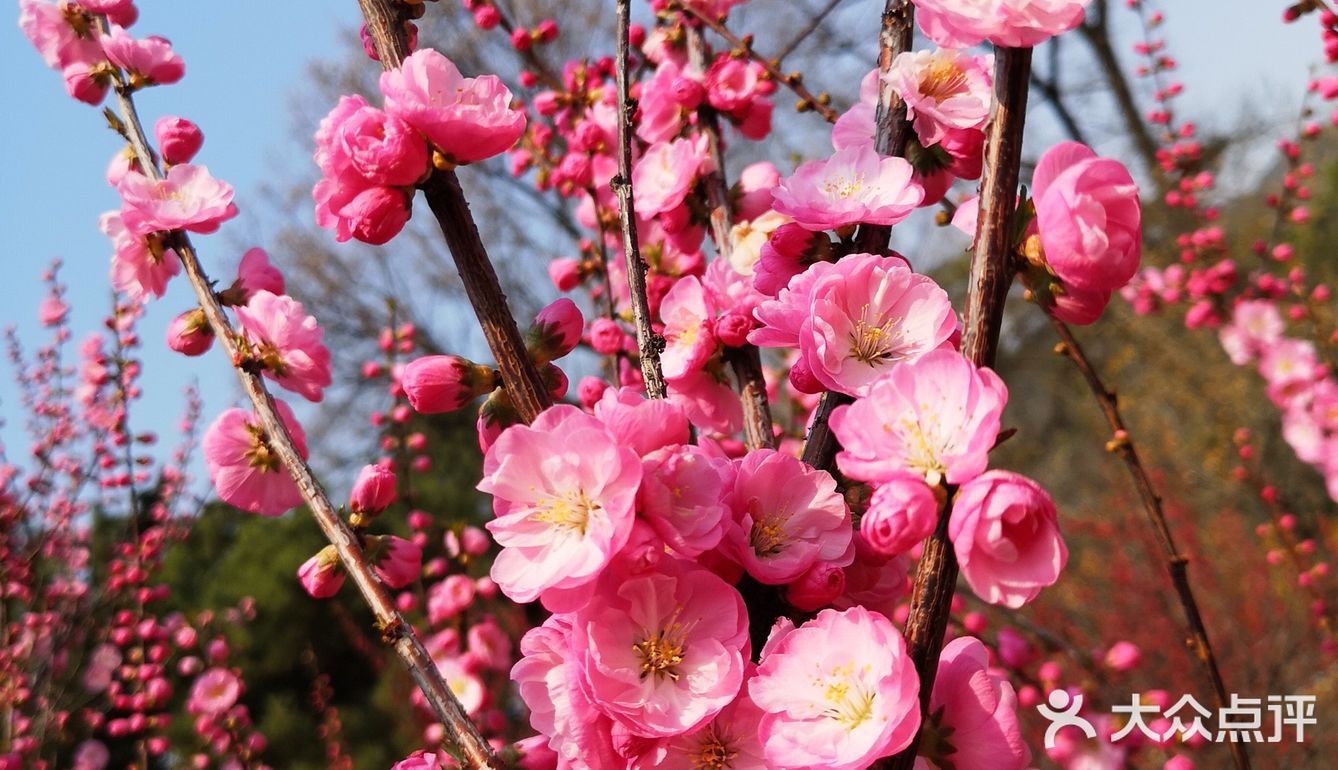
(943,89)
(785,517)
(424,760)
(901,513)
(854,186)
(215,691)
(681,496)
(187,198)
(1008,23)
(1005,532)
(936,417)
(1255,326)
(287,342)
(665,174)
(975,710)
(466,119)
(563,492)
(708,399)
(1088,217)
(663,651)
(449,597)
(838,692)
(243,467)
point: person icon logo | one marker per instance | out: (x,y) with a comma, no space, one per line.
(1062,710)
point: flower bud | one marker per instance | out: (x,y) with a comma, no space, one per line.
(817,587)
(397,560)
(321,575)
(435,384)
(178,139)
(902,512)
(606,337)
(565,273)
(190,333)
(373,491)
(555,331)
(1123,656)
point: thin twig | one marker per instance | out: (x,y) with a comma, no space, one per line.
(991,275)
(793,81)
(808,29)
(648,342)
(1176,563)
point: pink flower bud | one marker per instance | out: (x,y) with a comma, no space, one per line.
(565,273)
(376,214)
(901,513)
(487,16)
(436,384)
(590,391)
(321,575)
(732,329)
(190,333)
(606,337)
(817,587)
(556,330)
(474,541)
(178,139)
(1123,656)
(373,491)
(398,560)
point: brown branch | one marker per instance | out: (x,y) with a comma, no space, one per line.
(648,342)
(1176,563)
(395,629)
(991,275)
(793,81)
(448,203)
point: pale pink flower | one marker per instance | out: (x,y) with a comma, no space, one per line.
(137,269)
(943,89)
(973,713)
(937,417)
(853,186)
(449,598)
(1256,325)
(466,119)
(1005,531)
(688,330)
(287,343)
(150,60)
(489,646)
(57,40)
(424,760)
(727,742)
(856,319)
(785,517)
(245,471)
(1008,23)
(855,128)
(1288,364)
(563,491)
(52,311)
(682,491)
(664,650)
(664,175)
(101,665)
(642,424)
(465,685)
(1088,217)
(708,399)
(901,513)
(838,692)
(187,198)
(91,755)
(214,692)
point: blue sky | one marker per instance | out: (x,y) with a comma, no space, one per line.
(239,77)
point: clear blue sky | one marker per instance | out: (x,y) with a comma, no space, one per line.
(238,79)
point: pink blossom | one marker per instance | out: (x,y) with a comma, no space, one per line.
(664,175)
(874,581)
(708,399)
(190,333)
(663,651)
(785,517)
(1088,216)
(373,216)
(1009,23)
(838,692)
(688,333)
(854,186)
(1288,364)
(1123,656)
(666,101)
(102,663)
(52,311)
(466,119)
(464,683)
(821,585)
(753,189)
(381,148)
(91,755)
(255,273)
(729,741)
(397,561)
(214,692)
(901,513)
(489,645)
(321,575)
(563,491)
(55,37)
(732,85)
(937,417)
(187,198)
(856,319)
(1079,306)
(449,598)
(245,471)
(556,330)
(788,251)
(973,712)
(373,490)
(178,139)
(424,760)
(150,61)
(139,268)
(943,90)
(855,128)
(435,384)
(286,342)
(1005,531)
(682,490)
(642,424)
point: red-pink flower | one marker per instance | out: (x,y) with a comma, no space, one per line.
(663,651)
(642,424)
(178,139)
(215,691)
(373,490)
(255,273)
(785,517)
(51,32)
(287,343)
(396,560)
(449,597)
(1005,531)
(937,417)
(243,467)
(1010,23)
(1088,217)
(150,61)
(943,90)
(466,119)
(187,198)
(563,491)
(436,384)
(855,185)
(972,713)
(321,575)
(838,692)
(383,149)
(682,490)
(901,513)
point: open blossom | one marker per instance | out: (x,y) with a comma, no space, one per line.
(563,491)
(1011,23)
(215,691)
(1256,325)
(682,491)
(973,713)
(187,198)
(643,424)
(663,650)
(785,517)
(1005,531)
(381,148)
(901,513)
(937,417)
(139,268)
(287,342)
(855,319)
(255,273)
(1088,217)
(688,330)
(245,471)
(150,60)
(838,691)
(466,119)
(55,37)
(727,742)
(854,186)
(943,89)
(664,175)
